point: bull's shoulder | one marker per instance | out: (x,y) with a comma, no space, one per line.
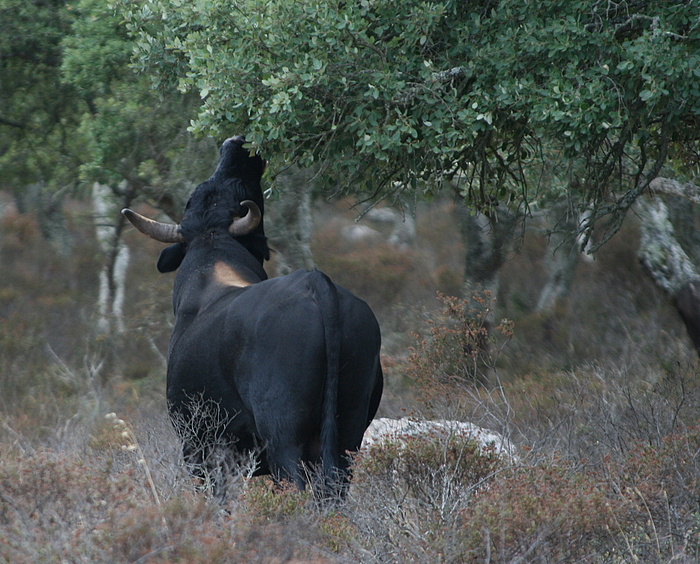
(226,275)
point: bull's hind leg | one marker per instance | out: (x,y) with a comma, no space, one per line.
(209,466)
(194,460)
(285,464)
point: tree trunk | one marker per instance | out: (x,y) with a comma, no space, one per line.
(687,302)
(486,242)
(659,250)
(668,264)
(561,258)
(110,304)
(291,222)
(685,218)
(47,205)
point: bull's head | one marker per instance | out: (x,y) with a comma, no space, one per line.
(169,233)
(218,204)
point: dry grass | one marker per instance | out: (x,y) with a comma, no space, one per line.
(118,491)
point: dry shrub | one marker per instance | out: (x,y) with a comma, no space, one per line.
(338,530)
(643,507)
(279,523)
(209,454)
(407,496)
(265,501)
(440,471)
(98,507)
(52,505)
(657,488)
(538,514)
(599,411)
(460,348)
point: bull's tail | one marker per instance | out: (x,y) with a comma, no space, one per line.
(326,296)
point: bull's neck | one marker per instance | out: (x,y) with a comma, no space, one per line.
(211,270)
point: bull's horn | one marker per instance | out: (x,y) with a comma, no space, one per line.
(163,232)
(246,224)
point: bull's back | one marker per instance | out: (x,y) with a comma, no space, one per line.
(253,348)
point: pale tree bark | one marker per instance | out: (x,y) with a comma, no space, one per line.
(668,263)
(291,221)
(659,251)
(108,227)
(685,219)
(562,257)
(686,190)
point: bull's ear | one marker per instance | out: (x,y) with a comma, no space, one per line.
(171,257)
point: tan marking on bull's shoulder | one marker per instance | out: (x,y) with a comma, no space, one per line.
(227,276)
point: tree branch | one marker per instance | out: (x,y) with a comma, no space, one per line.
(11,123)
(437,78)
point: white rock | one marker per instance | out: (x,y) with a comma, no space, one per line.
(357,233)
(382,215)
(384,430)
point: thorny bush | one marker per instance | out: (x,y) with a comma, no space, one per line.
(461,347)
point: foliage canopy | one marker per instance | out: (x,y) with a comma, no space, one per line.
(130,132)
(73,111)
(37,110)
(505,96)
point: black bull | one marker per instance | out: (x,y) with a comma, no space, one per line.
(293,362)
